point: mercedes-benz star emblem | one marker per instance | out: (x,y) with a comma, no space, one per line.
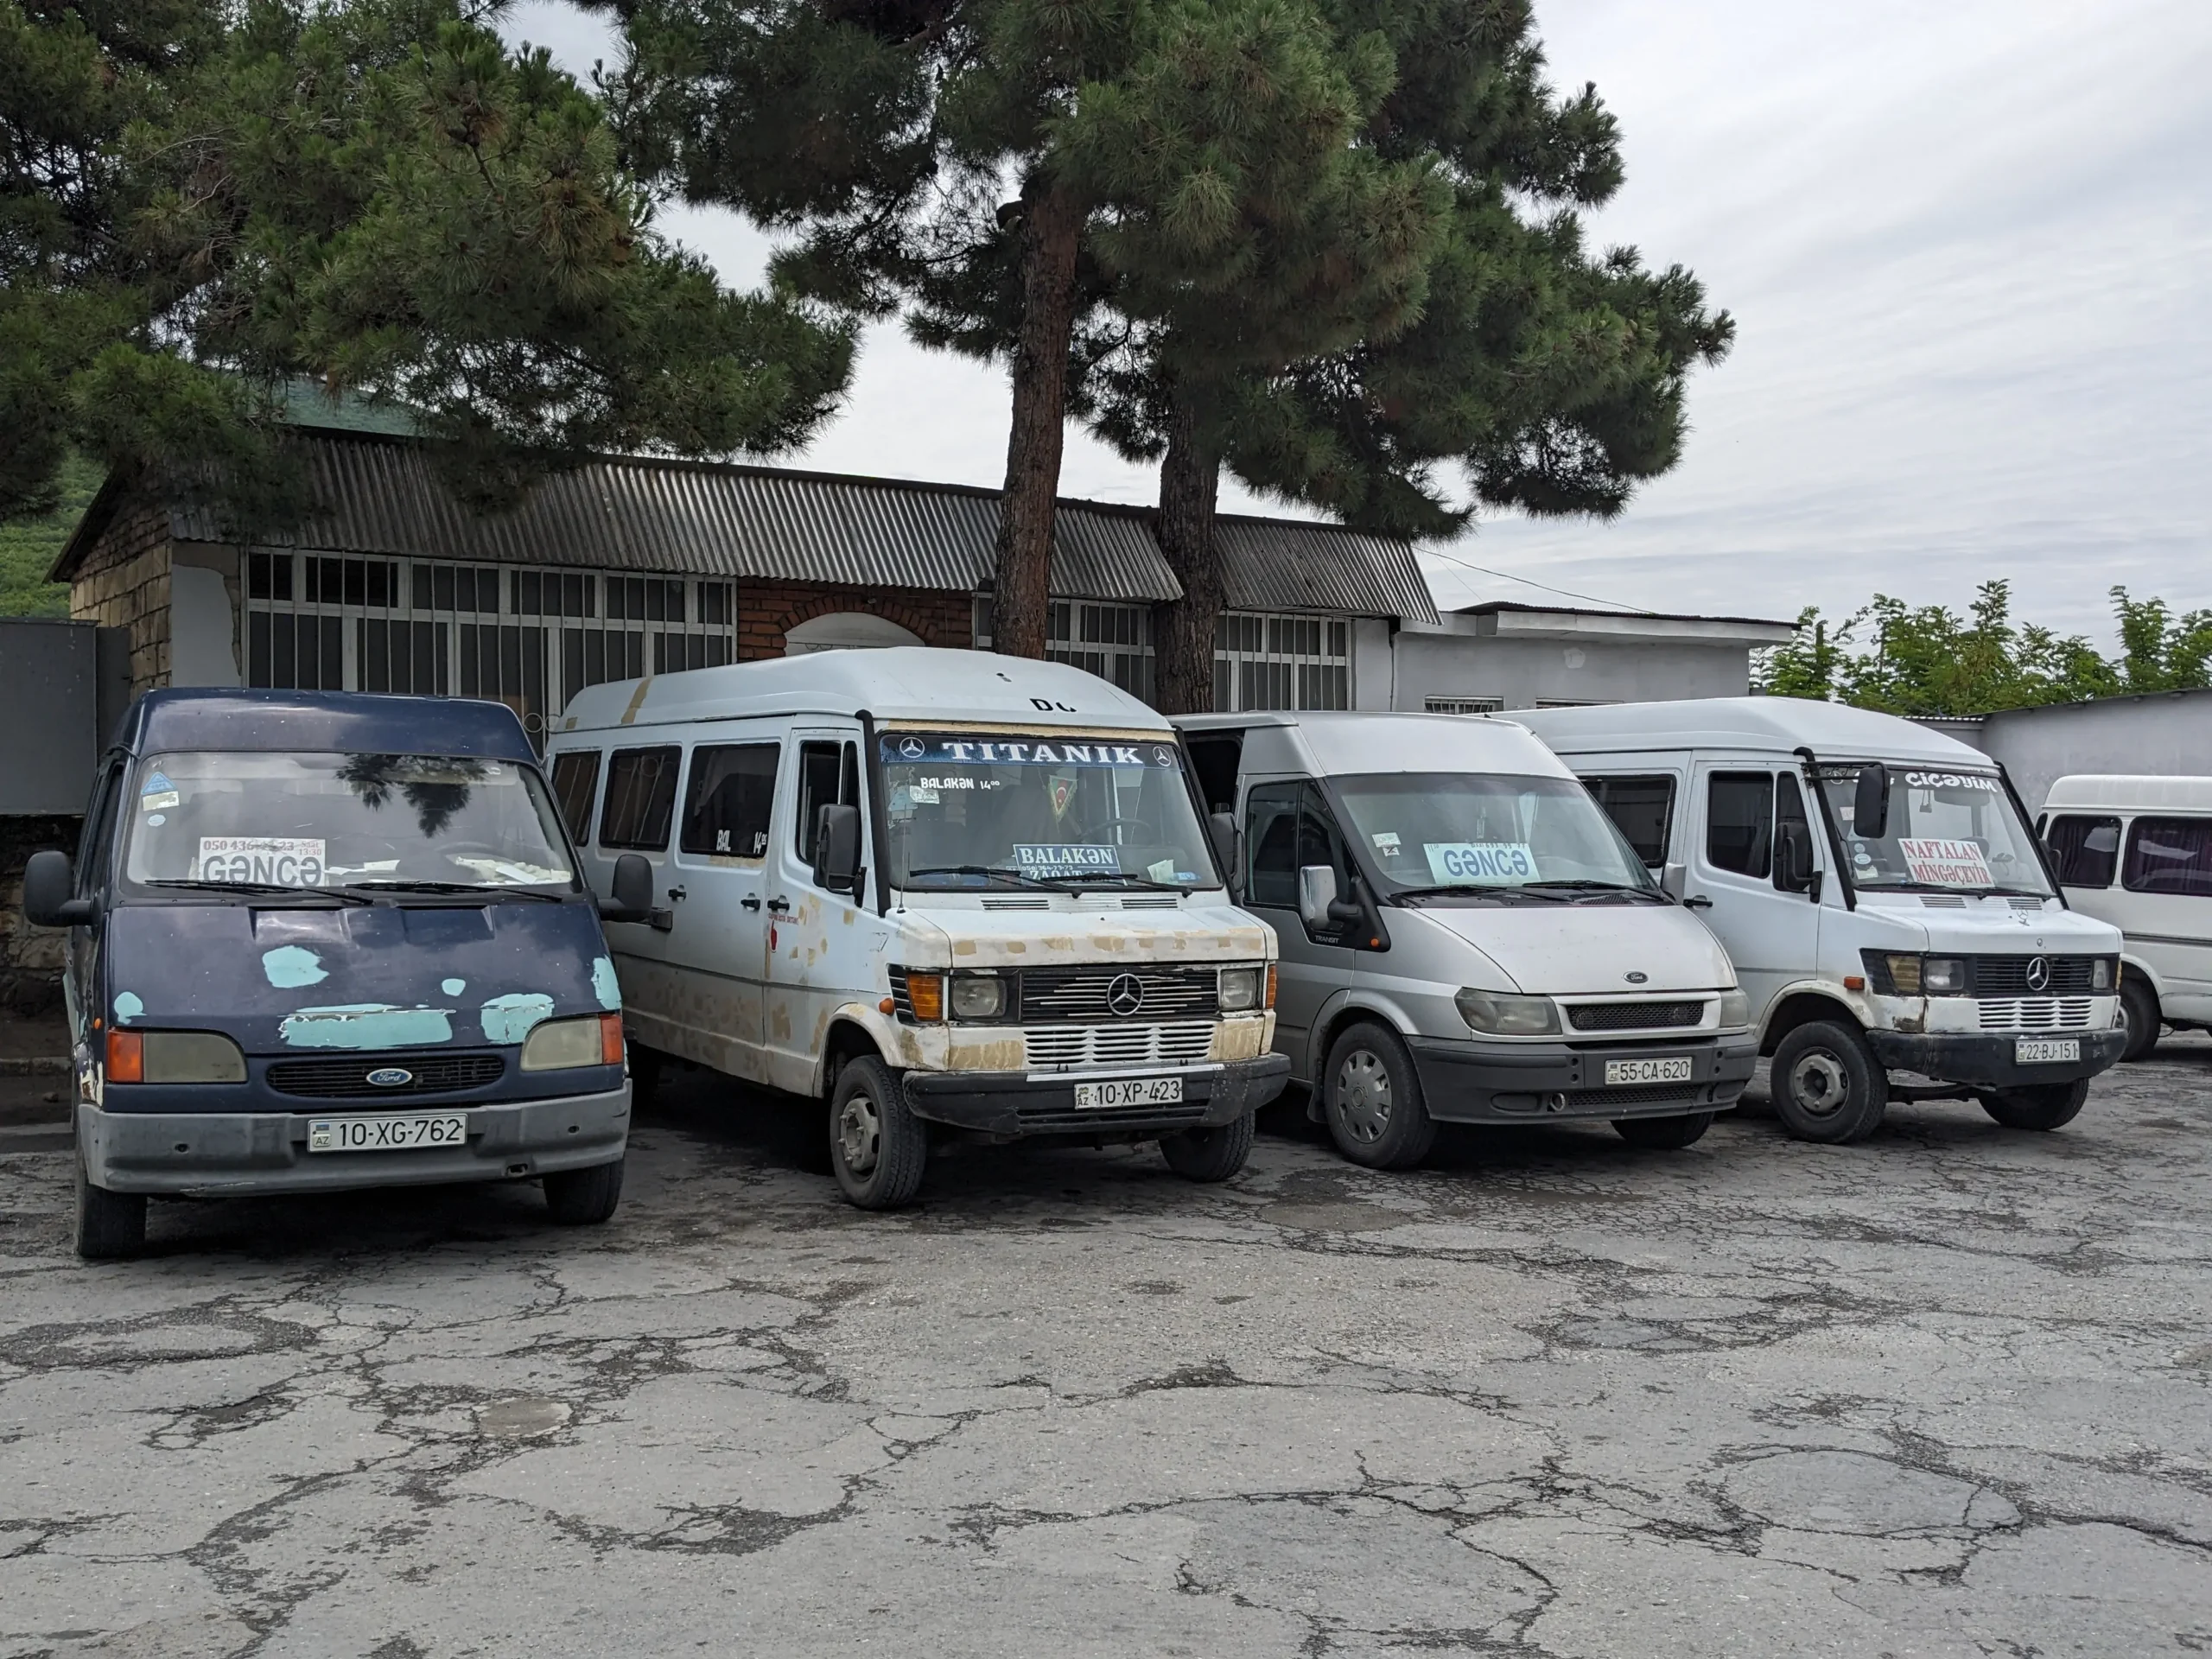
(2039,974)
(1126,994)
(911,748)
(390,1077)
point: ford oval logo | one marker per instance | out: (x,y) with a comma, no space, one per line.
(390,1077)
(1126,994)
(1638,978)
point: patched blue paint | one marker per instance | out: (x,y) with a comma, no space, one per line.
(453,986)
(291,966)
(508,1018)
(603,982)
(366,1024)
(127,1007)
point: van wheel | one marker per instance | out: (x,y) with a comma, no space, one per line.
(2138,1014)
(1371,1100)
(110,1225)
(877,1148)
(1212,1155)
(1827,1085)
(1664,1133)
(584,1198)
(2044,1106)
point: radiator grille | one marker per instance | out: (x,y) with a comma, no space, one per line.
(1688,1094)
(1036,1118)
(1634,1016)
(1117,1045)
(347,1079)
(2008,975)
(2037,1012)
(1079,995)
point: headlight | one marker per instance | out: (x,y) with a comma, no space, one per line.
(174,1057)
(1496,1014)
(1904,975)
(2102,975)
(1735,1009)
(559,1044)
(1943,976)
(978,996)
(1241,990)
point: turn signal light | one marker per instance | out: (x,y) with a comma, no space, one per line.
(926,994)
(126,1057)
(610,1039)
(1271,984)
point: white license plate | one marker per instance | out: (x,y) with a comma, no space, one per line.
(1678,1070)
(417,1129)
(2043,1050)
(1131,1091)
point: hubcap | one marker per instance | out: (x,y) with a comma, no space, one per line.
(860,1135)
(1363,1096)
(1819,1083)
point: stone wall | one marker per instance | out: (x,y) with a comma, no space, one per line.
(30,958)
(765,610)
(123,582)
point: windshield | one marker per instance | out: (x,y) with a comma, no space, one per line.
(1429,830)
(1947,831)
(272,820)
(980,810)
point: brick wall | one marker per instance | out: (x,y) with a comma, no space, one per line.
(30,958)
(125,583)
(766,609)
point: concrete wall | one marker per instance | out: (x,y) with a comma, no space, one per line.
(125,583)
(2166,735)
(1374,663)
(30,958)
(1524,672)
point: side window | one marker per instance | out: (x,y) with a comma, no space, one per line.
(1271,846)
(2086,851)
(576,781)
(725,808)
(1641,809)
(640,800)
(1214,760)
(2169,855)
(1739,823)
(829,775)
(1788,807)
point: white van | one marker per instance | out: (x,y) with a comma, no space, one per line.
(1886,903)
(2136,852)
(928,887)
(1465,937)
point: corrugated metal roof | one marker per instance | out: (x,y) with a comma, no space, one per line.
(1274,564)
(380,496)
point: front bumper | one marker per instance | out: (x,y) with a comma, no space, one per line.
(1986,1059)
(1475,1082)
(1023,1103)
(234,1155)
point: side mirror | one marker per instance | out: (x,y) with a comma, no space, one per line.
(1316,896)
(837,848)
(1793,857)
(48,880)
(1221,826)
(1869,803)
(631,896)
(1673,880)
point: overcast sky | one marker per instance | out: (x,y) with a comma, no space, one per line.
(1968,247)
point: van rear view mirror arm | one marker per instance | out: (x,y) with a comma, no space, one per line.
(1827,825)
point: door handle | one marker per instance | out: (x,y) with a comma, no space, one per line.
(779,904)
(751,901)
(675,894)
(1697,901)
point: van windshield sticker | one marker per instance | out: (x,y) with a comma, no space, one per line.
(1041,859)
(1481,863)
(928,748)
(1386,840)
(1946,863)
(283,861)
(157,794)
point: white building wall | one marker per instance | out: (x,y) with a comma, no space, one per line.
(1374,663)
(1523,673)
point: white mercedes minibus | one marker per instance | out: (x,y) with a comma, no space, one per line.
(938,891)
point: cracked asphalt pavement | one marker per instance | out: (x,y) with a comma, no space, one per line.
(1944,1394)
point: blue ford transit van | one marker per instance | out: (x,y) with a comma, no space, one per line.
(322,941)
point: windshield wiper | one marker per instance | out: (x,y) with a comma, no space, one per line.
(1595,886)
(361,889)
(259,888)
(974,869)
(1475,890)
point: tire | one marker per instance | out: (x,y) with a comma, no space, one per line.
(878,1149)
(2139,1013)
(1827,1085)
(1664,1133)
(584,1198)
(2044,1106)
(1212,1155)
(109,1226)
(1371,1100)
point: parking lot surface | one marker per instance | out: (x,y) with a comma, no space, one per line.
(1942,1393)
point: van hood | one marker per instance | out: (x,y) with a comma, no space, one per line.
(1974,925)
(282,981)
(1584,949)
(1088,932)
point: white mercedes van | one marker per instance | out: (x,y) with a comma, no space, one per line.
(2136,852)
(930,888)
(1887,907)
(1465,937)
